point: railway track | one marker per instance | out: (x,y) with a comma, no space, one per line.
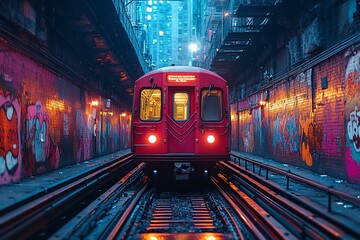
(107,215)
(236,205)
(187,215)
(282,215)
(39,215)
(135,210)
(172,212)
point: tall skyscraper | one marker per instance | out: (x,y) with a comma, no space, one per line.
(180,32)
(165,30)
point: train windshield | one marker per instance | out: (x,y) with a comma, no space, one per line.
(211,104)
(181,106)
(150,104)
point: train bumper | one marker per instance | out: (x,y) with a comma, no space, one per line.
(182,166)
(181,157)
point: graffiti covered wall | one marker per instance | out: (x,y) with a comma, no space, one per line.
(47,122)
(310,119)
(352,113)
(10,128)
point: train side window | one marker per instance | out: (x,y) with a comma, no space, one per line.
(211,105)
(150,104)
(181,106)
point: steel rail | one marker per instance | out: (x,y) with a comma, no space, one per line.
(81,225)
(31,215)
(256,219)
(244,217)
(119,227)
(300,217)
(289,175)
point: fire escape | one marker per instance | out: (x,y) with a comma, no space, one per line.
(235,28)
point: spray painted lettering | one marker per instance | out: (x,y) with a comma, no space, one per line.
(353,129)
(42,155)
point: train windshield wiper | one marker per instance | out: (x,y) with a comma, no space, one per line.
(207,95)
(151,91)
(150,94)
(208,91)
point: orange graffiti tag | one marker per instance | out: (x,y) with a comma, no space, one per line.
(304,145)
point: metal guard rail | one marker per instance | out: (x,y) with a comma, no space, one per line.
(289,175)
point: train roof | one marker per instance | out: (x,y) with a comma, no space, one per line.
(182,69)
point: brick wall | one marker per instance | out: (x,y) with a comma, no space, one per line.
(48,122)
(311,119)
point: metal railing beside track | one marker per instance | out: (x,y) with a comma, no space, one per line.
(329,190)
(293,214)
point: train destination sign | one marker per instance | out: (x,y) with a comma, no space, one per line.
(181,78)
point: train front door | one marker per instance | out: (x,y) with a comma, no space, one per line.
(181,119)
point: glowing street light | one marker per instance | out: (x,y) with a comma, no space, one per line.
(193,47)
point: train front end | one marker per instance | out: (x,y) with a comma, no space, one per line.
(180,121)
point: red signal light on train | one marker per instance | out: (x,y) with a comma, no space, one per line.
(152,139)
(210,139)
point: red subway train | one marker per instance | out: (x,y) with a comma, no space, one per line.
(181,120)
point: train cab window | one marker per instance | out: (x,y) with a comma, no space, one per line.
(150,104)
(181,106)
(211,105)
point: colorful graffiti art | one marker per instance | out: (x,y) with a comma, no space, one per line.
(42,155)
(305,149)
(285,134)
(352,114)
(10,145)
(353,129)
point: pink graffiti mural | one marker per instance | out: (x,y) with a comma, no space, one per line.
(352,114)
(10,147)
(42,154)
